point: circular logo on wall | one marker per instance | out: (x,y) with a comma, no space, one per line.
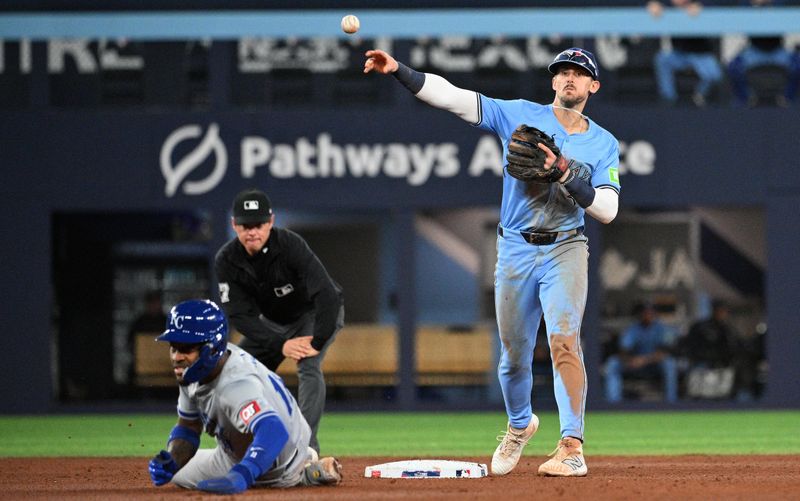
(176,173)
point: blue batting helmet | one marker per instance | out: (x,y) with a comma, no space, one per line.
(198,322)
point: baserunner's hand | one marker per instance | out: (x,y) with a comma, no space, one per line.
(162,468)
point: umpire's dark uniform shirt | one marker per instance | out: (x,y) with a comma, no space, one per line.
(283,282)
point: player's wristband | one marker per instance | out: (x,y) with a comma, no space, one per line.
(412,80)
(581,191)
(184,433)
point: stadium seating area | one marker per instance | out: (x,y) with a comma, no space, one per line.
(272,73)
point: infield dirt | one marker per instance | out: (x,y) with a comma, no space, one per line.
(620,478)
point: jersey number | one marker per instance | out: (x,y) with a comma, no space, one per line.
(277,383)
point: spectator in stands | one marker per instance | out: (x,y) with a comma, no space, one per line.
(764,51)
(151,321)
(713,345)
(696,53)
(711,342)
(644,353)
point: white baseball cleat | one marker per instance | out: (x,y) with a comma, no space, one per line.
(507,454)
(566,461)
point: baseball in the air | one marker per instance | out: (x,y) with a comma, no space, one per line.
(350,24)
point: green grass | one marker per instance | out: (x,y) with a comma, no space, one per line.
(428,434)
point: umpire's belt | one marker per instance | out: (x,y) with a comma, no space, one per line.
(543,237)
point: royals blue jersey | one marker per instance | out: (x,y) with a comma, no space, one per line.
(549,207)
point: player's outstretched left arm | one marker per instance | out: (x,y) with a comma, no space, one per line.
(427,87)
(182,444)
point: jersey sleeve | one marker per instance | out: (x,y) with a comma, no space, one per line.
(244,404)
(187,407)
(499,115)
(606,175)
(488,113)
(503,116)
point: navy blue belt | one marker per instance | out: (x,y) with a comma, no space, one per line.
(544,237)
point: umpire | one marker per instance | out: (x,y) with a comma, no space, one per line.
(278,295)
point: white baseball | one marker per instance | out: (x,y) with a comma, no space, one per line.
(350,24)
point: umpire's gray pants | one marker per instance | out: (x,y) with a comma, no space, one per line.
(311,390)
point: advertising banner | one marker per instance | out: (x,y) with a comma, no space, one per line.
(411,157)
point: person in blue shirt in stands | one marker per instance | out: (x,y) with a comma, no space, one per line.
(688,52)
(644,352)
(764,51)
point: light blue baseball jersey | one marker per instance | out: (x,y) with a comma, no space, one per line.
(549,207)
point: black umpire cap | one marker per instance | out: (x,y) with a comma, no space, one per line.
(251,206)
(578,57)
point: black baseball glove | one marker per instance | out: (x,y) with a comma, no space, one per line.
(526,160)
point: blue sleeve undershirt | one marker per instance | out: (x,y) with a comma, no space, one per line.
(269,438)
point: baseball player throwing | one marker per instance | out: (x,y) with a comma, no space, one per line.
(262,438)
(542,264)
